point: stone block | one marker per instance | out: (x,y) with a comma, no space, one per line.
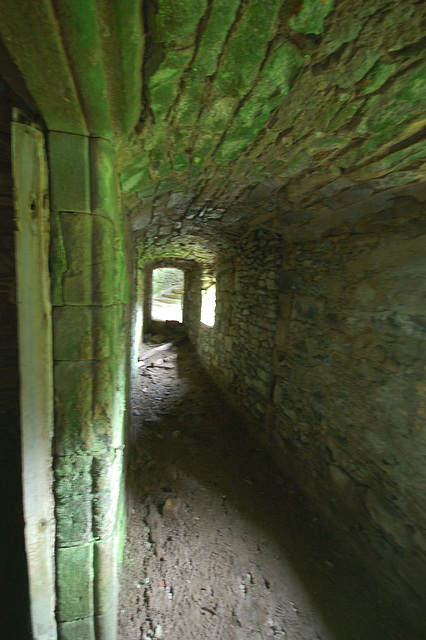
(77,240)
(107,495)
(72,333)
(121,277)
(73,475)
(105,511)
(74,567)
(105,330)
(83,629)
(105,470)
(58,262)
(355,194)
(103,261)
(102,177)
(106,571)
(73,520)
(73,382)
(106,625)
(69,172)
(120,400)
(103,394)
(335,187)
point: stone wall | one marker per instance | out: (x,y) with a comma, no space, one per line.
(350,380)
(238,350)
(323,341)
(90,296)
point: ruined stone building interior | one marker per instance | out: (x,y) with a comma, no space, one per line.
(273,152)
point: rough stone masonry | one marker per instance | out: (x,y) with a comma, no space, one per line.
(275,148)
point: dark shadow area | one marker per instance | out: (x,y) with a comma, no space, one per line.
(15,608)
(185,430)
(14,599)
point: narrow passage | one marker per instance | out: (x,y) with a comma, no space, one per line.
(219,544)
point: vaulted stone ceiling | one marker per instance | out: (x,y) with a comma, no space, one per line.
(273,114)
(234,114)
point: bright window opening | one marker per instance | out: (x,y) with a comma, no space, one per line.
(208,306)
(138,331)
(167,294)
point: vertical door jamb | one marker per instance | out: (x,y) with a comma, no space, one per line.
(30,175)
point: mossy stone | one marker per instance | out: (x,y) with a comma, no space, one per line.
(74,567)
(311,17)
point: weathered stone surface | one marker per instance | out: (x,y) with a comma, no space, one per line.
(106,474)
(342,390)
(83,629)
(106,579)
(69,157)
(102,178)
(106,325)
(246,310)
(84,417)
(121,274)
(103,388)
(72,333)
(76,230)
(280,120)
(73,495)
(346,321)
(73,519)
(58,262)
(75,582)
(73,406)
(106,625)
(102,260)
(268,131)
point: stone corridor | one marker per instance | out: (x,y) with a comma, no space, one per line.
(274,152)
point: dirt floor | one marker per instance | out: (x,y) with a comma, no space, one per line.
(219,545)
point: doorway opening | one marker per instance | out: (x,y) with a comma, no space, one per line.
(167,294)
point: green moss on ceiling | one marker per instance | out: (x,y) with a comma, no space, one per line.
(248,93)
(245,50)
(176,19)
(273,84)
(205,63)
(163,86)
(311,17)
